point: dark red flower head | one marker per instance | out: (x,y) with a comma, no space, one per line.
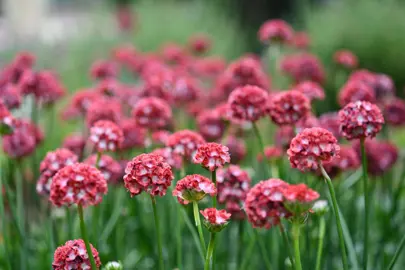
(311,90)
(6,120)
(346,59)
(158,84)
(311,146)
(75,143)
(384,87)
(301,40)
(199,44)
(212,156)
(215,220)
(50,165)
(106,136)
(78,184)
(82,100)
(109,167)
(360,119)
(103,69)
(275,31)
(73,255)
(185,142)
(173,159)
(331,122)
(174,54)
(11,96)
(160,137)
(149,173)
(248,103)
(186,89)
(303,67)
(394,112)
(355,90)
(299,199)
(134,136)
(271,153)
(347,160)
(211,125)
(287,108)
(152,113)
(237,149)
(13,72)
(110,87)
(104,109)
(194,188)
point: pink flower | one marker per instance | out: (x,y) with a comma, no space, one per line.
(109,87)
(83,99)
(360,119)
(394,112)
(287,108)
(185,142)
(50,165)
(210,125)
(186,89)
(73,255)
(384,87)
(237,149)
(303,67)
(212,156)
(149,173)
(159,84)
(109,167)
(152,113)
(134,136)
(271,153)
(215,220)
(311,90)
(300,193)
(106,136)
(174,54)
(173,159)
(277,31)
(346,59)
(301,40)
(311,146)
(248,103)
(11,96)
(13,71)
(208,67)
(355,90)
(103,69)
(347,160)
(331,122)
(160,137)
(104,109)
(194,188)
(199,44)
(6,120)
(75,143)
(78,184)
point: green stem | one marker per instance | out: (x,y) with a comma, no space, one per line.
(366,202)
(214,180)
(397,252)
(296,239)
(179,253)
(51,233)
(320,243)
(159,239)
(337,216)
(69,224)
(98,157)
(3,221)
(85,238)
(261,145)
(248,254)
(265,254)
(199,227)
(286,243)
(21,215)
(210,251)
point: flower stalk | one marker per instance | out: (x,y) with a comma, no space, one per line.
(366,202)
(85,237)
(210,252)
(159,238)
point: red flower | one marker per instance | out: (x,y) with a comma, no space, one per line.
(212,156)
(384,86)
(311,146)
(78,183)
(158,84)
(287,108)
(303,67)
(75,143)
(50,165)
(233,184)
(248,103)
(300,193)
(185,89)
(194,188)
(103,69)
(264,204)
(346,59)
(301,40)
(309,121)
(134,136)
(6,120)
(152,113)
(360,119)
(149,173)
(331,122)
(13,72)
(277,31)
(347,160)
(173,159)
(185,142)
(106,136)
(73,255)
(394,112)
(160,137)
(311,90)
(109,167)
(237,149)
(210,125)
(199,44)
(215,220)
(104,109)
(271,152)
(355,90)
(83,99)
(11,96)
(174,54)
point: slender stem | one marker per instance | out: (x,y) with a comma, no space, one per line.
(69,223)
(85,238)
(179,254)
(51,232)
(248,254)
(397,252)
(214,180)
(286,243)
(366,202)
(320,243)
(296,240)
(21,215)
(265,254)
(198,224)
(210,251)
(337,216)
(261,145)
(3,221)
(159,239)
(98,157)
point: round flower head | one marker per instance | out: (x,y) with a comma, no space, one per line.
(384,87)
(303,67)
(307,121)
(301,41)
(365,76)
(355,90)
(78,184)
(6,120)
(75,143)
(106,136)
(103,69)
(271,153)
(215,220)
(173,159)
(194,188)
(210,124)
(199,43)
(73,255)
(331,122)
(160,137)
(360,119)
(311,90)
(50,165)
(345,59)
(287,108)
(185,142)
(237,149)
(311,146)
(149,173)
(11,96)
(185,90)
(110,168)
(394,112)
(212,156)
(264,204)
(233,184)
(152,113)
(248,103)
(134,136)
(275,31)
(104,109)
(299,198)
(109,87)
(158,84)
(347,160)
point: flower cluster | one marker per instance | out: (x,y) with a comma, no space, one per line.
(134,136)
(215,220)
(311,90)
(211,125)
(185,142)
(275,31)
(355,90)
(347,160)
(194,188)
(345,59)
(152,113)
(106,136)
(110,168)
(394,112)
(212,156)
(173,159)
(303,67)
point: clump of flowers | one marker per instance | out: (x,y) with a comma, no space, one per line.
(212,156)
(173,159)
(275,31)
(73,255)
(394,112)
(152,113)
(210,124)
(104,109)
(215,220)
(199,44)
(6,120)
(355,90)
(331,122)
(185,142)
(237,149)
(106,136)
(134,136)
(303,67)
(103,69)
(311,90)
(75,143)
(80,184)
(194,188)
(347,160)
(346,59)
(110,168)
(149,173)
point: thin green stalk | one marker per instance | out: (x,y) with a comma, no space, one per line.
(179,244)
(198,224)
(214,180)
(98,157)
(51,233)
(69,223)
(261,145)
(337,216)
(193,233)
(366,202)
(397,252)
(321,236)
(159,238)
(296,227)
(286,243)
(210,251)
(21,215)
(265,254)
(249,252)
(3,221)
(109,227)
(85,238)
